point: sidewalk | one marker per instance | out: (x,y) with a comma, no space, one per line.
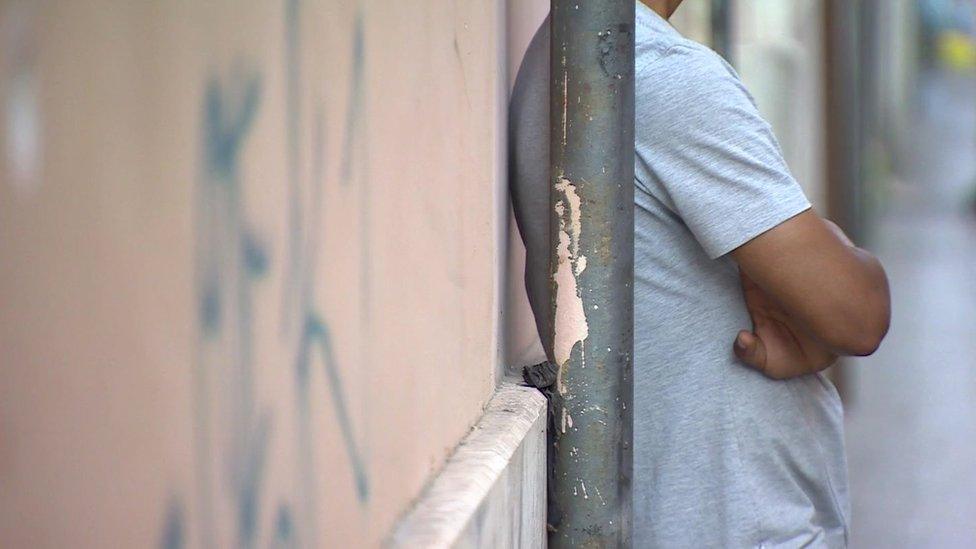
(911,421)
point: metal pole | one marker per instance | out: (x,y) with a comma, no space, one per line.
(842,108)
(591,117)
(843,112)
(722,28)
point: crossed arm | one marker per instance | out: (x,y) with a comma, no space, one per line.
(812,296)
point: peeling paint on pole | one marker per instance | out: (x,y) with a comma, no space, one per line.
(570,325)
(591,124)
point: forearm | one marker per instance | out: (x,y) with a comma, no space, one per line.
(834,290)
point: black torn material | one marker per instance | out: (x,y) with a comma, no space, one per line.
(541,376)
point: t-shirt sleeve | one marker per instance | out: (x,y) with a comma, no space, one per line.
(702,141)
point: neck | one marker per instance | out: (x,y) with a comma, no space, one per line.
(661,7)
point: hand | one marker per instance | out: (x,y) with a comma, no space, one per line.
(777,346)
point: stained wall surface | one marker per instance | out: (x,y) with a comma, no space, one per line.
(249,265)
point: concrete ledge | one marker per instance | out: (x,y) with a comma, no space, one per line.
(492,490)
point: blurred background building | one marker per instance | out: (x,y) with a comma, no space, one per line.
(259,279)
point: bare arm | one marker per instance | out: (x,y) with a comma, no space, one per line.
(812,294)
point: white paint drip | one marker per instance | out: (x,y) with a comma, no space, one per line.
(600,496)
(565,100)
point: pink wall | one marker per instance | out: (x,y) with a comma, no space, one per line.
(250,275)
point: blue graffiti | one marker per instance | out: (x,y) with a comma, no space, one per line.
(301,279)
(356,98)
(284,526)
(317,337)
(231,260)
(174,534)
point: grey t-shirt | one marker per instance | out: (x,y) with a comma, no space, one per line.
(723,457)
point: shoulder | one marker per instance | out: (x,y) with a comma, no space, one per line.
(689,84)
(688,68)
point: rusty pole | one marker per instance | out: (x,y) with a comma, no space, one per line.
(591,114)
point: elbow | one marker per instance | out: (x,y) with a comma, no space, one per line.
(869,339)
(861,332)
(857,338)
(866,320)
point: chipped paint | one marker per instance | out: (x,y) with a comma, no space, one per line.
(570,325)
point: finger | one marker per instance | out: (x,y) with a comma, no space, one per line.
(751,350)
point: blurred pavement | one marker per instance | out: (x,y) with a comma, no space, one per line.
(911,417)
